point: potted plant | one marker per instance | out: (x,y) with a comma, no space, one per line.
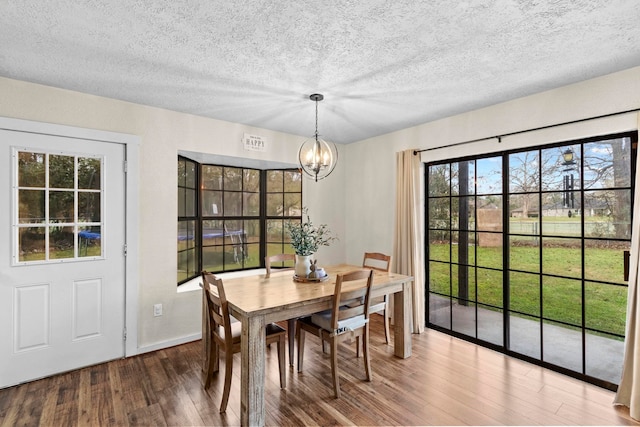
(306,238)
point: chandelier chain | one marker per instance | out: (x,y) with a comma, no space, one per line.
(316,119)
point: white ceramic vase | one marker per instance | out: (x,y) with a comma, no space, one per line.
(303,265)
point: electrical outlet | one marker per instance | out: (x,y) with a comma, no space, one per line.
(157,310)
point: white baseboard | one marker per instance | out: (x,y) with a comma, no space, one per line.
(167,344)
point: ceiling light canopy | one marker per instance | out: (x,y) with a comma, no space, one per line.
(317,157)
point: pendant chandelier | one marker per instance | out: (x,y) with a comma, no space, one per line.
(317,157)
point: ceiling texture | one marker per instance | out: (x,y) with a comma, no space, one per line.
(381,65)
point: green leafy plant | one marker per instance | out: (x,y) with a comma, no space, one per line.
(307,238)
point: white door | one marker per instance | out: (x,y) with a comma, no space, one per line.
(62,260)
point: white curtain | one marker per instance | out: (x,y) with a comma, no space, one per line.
(629,389)
(408,238)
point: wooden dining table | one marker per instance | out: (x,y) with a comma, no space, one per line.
(256,301)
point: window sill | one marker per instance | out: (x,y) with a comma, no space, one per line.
(194,284)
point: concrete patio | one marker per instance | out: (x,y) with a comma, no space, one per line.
(562,346)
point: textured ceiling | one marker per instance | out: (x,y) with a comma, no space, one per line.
(382,65)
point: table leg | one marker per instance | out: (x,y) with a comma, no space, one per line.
(252,410)
(402,316)
(291,328)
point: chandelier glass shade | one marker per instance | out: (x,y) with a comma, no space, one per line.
(317,157)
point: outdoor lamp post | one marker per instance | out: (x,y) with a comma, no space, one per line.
(567,194)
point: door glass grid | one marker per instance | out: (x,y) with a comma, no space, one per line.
(556,291)
(59,207)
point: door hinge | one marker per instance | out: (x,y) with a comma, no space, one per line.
(124,334)
(124,166)
(124,250)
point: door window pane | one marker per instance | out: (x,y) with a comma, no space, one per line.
(604,260)
(524,213)
(562,346)
(61,242)
(562,300)
(439,246)
(607,213)
(490,287)
(562,257)
(489,175)
(605,307)
(31,244)
(439,180)
(89,241)
(66,203)
(89,173)
(31,169)
(560,168)
(525,293)
(489,250)
(31,206)
(61,206)
(89,207)
(61,171)
(524,333)
(607,164)
(524,253)
(524,172)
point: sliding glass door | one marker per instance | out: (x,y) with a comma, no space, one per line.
(526,252)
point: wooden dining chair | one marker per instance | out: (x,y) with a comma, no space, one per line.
(227,335)
(380,262)
(341,322)
(269,261)
(283,259)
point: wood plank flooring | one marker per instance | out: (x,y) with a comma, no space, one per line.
(446,382)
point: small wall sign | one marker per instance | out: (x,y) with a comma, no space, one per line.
(254,142)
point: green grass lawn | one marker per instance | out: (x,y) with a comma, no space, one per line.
(605,304)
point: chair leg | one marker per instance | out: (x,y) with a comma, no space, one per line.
(228,370)
(300,334)
(358,346)
(291,327)
(281,363)
(365,350)
(334,367)
(212,362)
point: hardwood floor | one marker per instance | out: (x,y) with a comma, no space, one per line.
(446,382)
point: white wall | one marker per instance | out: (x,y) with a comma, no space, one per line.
(370,179)
(356,201)
(162,134)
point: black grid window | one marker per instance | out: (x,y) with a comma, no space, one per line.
(188,235)
(238,211)
(283,204)
(526,252)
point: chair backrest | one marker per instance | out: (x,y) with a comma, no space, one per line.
(358,298)
(216,306)
(270,260)
(377,261)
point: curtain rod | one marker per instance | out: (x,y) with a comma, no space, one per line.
(499,137)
